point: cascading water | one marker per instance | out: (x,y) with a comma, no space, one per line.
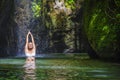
(24,17)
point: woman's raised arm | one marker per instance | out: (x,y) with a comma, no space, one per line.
(32,40)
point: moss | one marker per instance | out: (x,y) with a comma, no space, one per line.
(100,28)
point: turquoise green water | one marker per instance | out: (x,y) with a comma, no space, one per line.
(59,69)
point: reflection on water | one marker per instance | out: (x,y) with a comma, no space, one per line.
(29,69)
(57,69)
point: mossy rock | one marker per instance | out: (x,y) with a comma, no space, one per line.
(102,28)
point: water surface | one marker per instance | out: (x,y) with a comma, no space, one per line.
(59,69)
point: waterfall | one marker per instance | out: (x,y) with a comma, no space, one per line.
(25,20)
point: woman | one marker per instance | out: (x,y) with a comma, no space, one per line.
(30,49)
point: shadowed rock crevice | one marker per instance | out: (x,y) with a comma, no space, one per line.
(7,29)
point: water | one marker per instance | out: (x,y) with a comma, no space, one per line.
(59,69)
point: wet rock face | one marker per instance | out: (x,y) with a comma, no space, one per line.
(7,28)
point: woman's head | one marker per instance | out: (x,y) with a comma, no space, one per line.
(30,45)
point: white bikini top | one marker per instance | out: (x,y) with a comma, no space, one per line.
(30,54)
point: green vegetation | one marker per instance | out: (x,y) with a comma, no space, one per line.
(70,4)
(36,8)
(102,27)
